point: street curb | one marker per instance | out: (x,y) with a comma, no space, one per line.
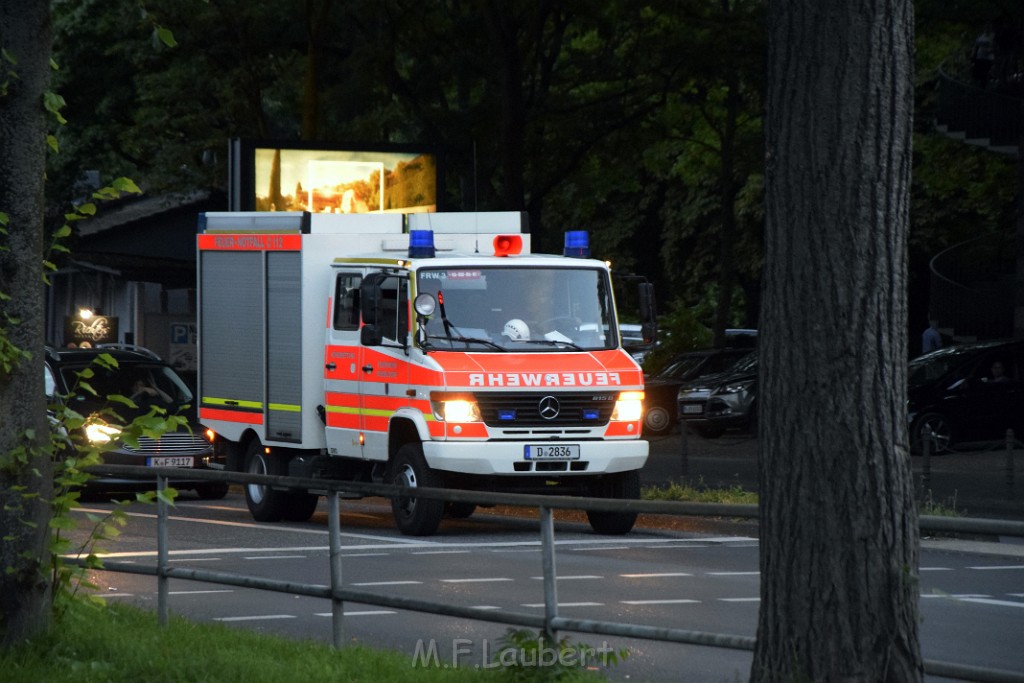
(1011,547)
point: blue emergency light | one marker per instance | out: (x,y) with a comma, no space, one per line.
(421,244)
(577,244)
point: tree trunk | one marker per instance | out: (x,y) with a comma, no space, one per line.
(839,539)
(25,472)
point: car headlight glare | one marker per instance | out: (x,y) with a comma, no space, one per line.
(454,407)
(629,407)
(100,432)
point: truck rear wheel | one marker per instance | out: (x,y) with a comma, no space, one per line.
(415,516)
(623,485)
(265,503)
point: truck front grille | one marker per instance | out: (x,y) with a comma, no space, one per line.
(543,409)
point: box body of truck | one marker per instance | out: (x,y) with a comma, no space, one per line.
(344,346)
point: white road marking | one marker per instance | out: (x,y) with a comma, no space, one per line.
(198,592)
(654,575)
(1012,566)
(740,599)
(441,552)
(275,557)
(360,613)
(256,618)
(193,559)
(993,601)
(734,573)
(936,569)
(957,596)
(483,580)
(581,577)
(679,601)
(610,547)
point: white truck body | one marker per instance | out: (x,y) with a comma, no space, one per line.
(314,362)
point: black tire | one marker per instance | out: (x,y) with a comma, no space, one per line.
(941,428)
(301,506)
(460,510)
(623,486)
(415,516)
(709,432)
(213,491)
(265,504)
(658,420)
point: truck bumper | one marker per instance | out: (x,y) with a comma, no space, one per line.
(507,458)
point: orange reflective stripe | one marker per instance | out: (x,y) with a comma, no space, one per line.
(231,416)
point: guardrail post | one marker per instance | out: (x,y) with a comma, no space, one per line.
(337,605)
(1010,474)
(161,551)
(684,448)
(547,538)
(927,437)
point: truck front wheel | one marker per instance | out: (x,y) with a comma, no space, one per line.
(415,516)
(265,503)
(623,485)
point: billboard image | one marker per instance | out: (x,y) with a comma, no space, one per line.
(274,176)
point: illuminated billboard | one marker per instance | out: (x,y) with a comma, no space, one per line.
(322,178)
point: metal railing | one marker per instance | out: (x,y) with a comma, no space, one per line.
(550,622)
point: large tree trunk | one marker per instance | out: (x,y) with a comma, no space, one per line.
(839,540)
(25,479)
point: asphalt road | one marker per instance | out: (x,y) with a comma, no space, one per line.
(976,482)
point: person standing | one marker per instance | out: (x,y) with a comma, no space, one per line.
(931,339)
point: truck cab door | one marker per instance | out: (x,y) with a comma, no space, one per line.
(343,362)
(384,380)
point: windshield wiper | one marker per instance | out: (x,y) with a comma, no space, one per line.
(548,342)
(452,339)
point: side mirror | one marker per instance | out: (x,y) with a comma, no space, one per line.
(370,335)
(369,297)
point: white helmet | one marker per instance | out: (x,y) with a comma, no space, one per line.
(516,330)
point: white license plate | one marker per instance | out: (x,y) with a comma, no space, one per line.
(696,409)
(552,452)
(169,461)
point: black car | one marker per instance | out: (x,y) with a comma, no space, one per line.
(660,390)
(714,403)
(146,380)
(969,392)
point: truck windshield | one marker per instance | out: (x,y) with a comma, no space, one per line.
(504,309)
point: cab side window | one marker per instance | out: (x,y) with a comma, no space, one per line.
(346,301)
(394,310)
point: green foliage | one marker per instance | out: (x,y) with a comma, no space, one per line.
(124,643)
(74,451)
(527,656)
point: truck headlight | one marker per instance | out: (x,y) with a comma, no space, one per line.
(100,432)
(629,407)
(454,407)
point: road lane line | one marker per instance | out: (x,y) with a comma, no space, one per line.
(679,601)
(262,617)
(566,604)
(581,577)
(276,557)
(388,583)
(482,580)
(654,575)
(990,567)
(993,601)
(733,573)
(359,613)
(740,599)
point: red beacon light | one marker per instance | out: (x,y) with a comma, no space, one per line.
(508,245)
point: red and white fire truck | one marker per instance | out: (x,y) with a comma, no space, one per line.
(429,350)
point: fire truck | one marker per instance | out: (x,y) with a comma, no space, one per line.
(423,350)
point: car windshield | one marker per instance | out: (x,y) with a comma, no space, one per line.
(494,309)
(146,384)
(936,365)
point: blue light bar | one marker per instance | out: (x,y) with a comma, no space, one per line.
(506,415)
(589,414)
(577,244)
(421,244)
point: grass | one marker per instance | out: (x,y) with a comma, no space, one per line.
(735,495)
(123,643)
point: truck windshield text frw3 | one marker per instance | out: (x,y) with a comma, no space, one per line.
(423,350)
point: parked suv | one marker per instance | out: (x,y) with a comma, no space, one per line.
(144,378)
(969,392)
(713,403)
(661,390)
